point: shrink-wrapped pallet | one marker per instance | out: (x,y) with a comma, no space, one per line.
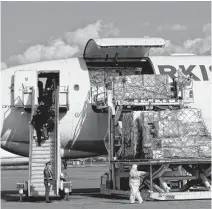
(180,152)
(181,133)
(101,79)
(139,87)
(127,85)
(137,142)
(169,134)
(130,136)
(170,123)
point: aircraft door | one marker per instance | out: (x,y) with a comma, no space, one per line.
(65,77)
(23,83)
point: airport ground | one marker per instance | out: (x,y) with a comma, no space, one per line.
(86,195)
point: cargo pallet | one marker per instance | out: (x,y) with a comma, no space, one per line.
(168,179)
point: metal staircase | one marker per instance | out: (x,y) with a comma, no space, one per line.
(49,151)
(40,155)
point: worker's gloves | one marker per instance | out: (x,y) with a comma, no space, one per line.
(49,184)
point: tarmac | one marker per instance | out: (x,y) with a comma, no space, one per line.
(86,194)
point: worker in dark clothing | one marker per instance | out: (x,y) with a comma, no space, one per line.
(40,90)
(45,116)
(38,125)
(44,111)
(50,124)
(48,178)
(50,121)
(51,113)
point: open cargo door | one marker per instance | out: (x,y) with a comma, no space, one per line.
(120,48)
(23,83)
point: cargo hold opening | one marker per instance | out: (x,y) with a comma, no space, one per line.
(107,58)
(48,82)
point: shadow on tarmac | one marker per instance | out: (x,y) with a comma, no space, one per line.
(13,196)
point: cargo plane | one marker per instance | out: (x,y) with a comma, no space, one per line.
(82,126)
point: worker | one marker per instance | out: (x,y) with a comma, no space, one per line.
(48,178)
(51,113)
(44,111)
(134,183)
(38,125)
(50,124)
(45,116)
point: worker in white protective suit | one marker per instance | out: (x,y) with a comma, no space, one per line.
(134,183)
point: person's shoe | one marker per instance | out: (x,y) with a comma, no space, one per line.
(39,145)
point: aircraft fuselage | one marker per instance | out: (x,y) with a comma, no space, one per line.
(82,130)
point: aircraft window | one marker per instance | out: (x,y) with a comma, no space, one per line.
(76,87)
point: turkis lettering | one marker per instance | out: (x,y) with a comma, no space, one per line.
(171,71)
(188,71)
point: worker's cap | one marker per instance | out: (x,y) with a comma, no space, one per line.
(48,163)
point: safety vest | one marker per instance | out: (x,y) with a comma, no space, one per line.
(49,174)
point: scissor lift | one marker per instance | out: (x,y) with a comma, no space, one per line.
(193,183)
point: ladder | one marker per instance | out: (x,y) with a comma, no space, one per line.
(49,151)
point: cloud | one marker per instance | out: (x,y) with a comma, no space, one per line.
(3,65)
(207,29)
(97,30)
(199,46)
(69,45)
(146,23)
(178,27)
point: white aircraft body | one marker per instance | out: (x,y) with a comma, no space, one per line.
(82,129)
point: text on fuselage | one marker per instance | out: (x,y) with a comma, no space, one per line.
(172,70)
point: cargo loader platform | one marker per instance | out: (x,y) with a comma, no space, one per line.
(175,173)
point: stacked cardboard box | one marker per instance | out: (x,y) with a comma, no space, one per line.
(139,87)
(101,78)
(129,86)
(168,134)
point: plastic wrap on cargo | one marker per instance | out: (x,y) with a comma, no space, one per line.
(101,77)
(182,133)
(171,123)
(129,136)
(168,134)
(180,152)
(134,86)
(139,87)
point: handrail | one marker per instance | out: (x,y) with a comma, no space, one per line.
(31,139)
(67,97)
(57,140)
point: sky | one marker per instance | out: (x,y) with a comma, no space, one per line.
(38,31)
